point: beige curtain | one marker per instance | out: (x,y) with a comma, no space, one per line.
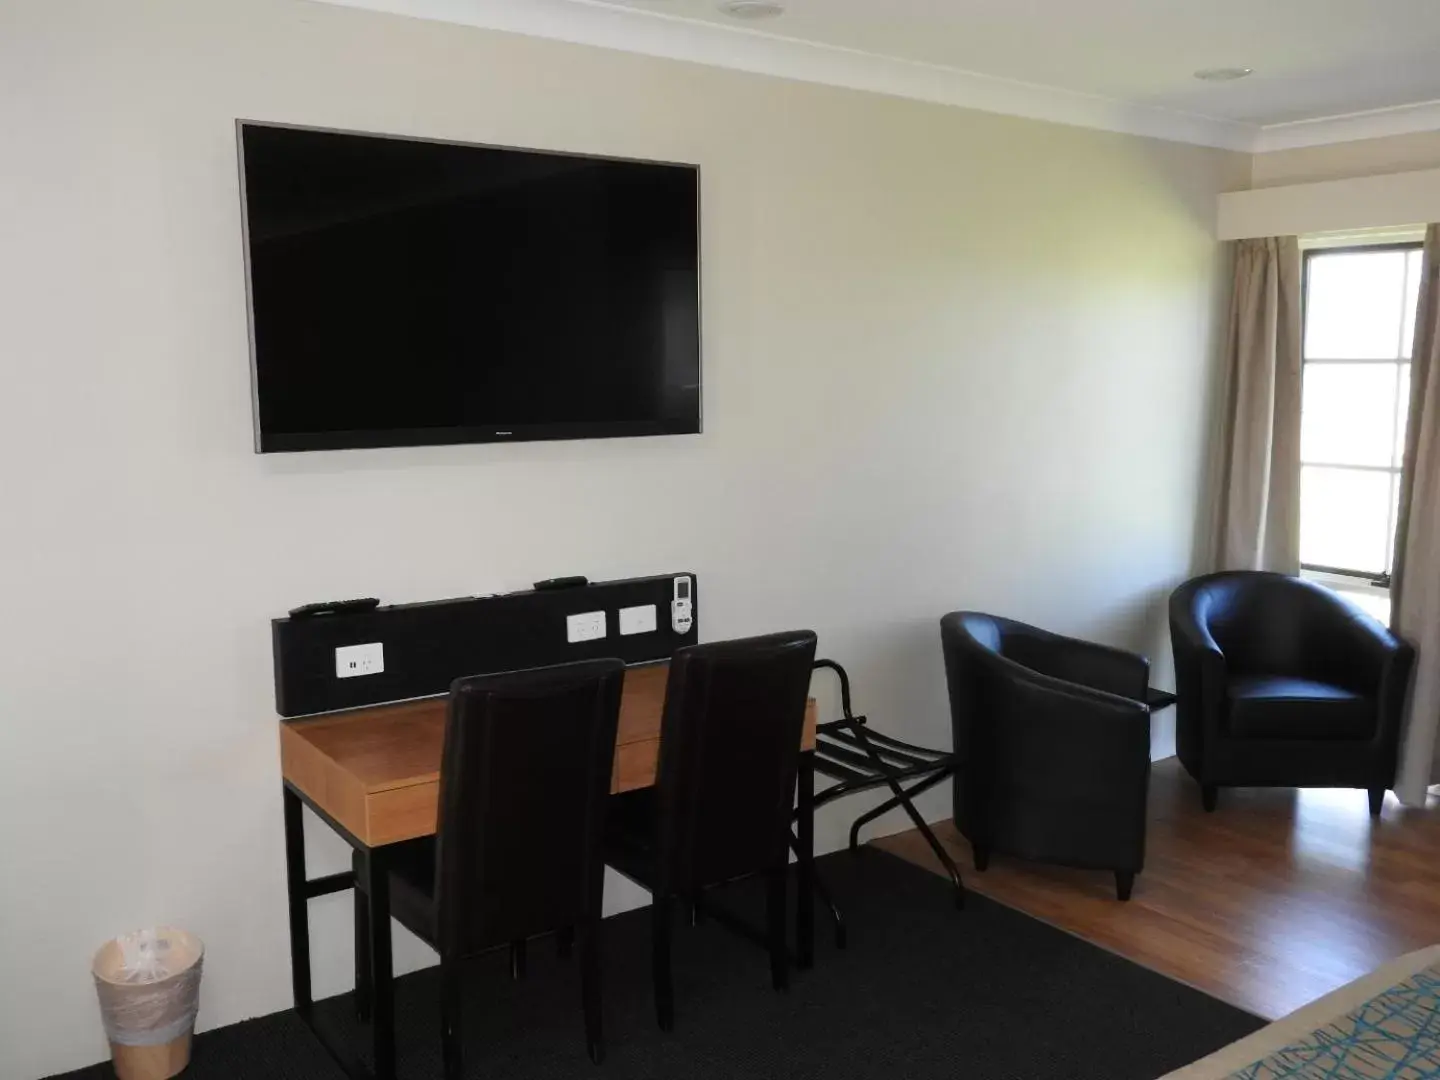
(1416,588)
(1259,470)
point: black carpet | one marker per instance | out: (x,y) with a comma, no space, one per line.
(923,991)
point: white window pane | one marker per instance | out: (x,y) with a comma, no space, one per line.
(1348,414)
(1353,305)
(1403,420)
(1344,518)
(1412,299)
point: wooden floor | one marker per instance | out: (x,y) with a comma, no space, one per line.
(1278,897)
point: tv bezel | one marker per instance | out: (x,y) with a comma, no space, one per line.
(287,442)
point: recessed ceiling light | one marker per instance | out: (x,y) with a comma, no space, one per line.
(1223,74)
(752,9)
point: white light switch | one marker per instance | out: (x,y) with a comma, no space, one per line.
(637,620)
(587,626)
(355,660)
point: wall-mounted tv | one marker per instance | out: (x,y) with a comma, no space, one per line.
(406,292)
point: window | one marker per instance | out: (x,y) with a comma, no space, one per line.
(1359,328)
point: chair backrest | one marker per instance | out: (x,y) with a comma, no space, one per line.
(729,751)
(966,637)
(524,784)
(1272,624)
(989,660)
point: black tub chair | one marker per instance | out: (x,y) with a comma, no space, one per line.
(1052,744)
(1284,683)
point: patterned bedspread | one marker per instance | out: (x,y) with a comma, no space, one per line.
(1394,1035)
(1385,1026)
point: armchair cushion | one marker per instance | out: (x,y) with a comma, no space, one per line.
(1285,707)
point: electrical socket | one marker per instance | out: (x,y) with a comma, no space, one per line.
(352,661)
(637,620)
(587,626)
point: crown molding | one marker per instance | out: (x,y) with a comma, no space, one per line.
(743,48)
(746,48)
(1350,127)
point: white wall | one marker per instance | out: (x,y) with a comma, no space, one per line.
(1338,161)
(951,359)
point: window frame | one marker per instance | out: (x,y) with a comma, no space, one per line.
(1337,574)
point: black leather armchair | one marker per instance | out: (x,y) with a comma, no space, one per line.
(1052,745)
(1284,683)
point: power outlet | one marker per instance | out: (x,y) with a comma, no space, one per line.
(587,626)
(352,661)
(637,620)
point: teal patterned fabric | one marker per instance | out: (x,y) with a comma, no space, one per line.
(1394,1036)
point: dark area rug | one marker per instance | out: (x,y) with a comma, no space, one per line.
(923,991)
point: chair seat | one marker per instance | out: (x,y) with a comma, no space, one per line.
(1282,707)
(412,888)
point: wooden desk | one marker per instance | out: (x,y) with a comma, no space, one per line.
(376,772)
(373,775)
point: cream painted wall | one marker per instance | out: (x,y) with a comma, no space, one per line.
(1340,161)
(952,359)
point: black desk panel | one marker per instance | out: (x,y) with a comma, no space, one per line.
(428,646)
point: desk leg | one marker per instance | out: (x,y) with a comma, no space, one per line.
(382,985)
(299,901)
(805,862)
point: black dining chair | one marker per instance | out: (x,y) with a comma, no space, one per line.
(524,791)
(721,806)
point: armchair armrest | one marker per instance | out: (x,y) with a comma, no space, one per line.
(1063,737)
(1362,654)
(1200,674)
(1189,631)
(1357,649)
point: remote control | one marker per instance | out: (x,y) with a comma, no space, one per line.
(560,583)
(682,607)
(335,607)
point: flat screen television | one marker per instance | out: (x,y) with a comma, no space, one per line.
(406,292)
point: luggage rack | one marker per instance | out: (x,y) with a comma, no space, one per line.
(859,758)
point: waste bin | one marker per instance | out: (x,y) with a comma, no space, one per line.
(149,987)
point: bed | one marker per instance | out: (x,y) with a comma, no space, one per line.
(1384,1025)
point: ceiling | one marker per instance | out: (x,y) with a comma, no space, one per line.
(1117,64)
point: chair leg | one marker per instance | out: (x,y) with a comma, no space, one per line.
(517,960)
(450,1019)
(660,961)
(565,942)
(776,924)
(590,990)
(1124,883)
(1377,801)
(363,974)
(982,856)
(1209,796)
(842,935)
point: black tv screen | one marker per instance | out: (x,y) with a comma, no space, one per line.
(405,292)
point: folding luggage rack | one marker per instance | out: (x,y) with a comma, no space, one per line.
(858,758)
